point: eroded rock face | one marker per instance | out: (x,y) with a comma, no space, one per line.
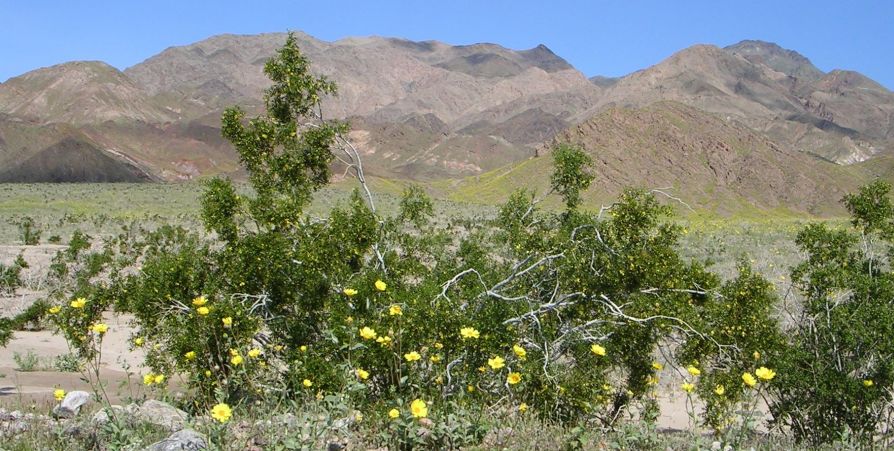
(186,439)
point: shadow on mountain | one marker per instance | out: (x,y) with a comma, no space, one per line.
(73,161)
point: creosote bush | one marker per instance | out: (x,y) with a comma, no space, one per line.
(555,314)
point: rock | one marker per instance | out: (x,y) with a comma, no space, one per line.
(185,439)
(71,404)
(102,417)
(72,430)
(161,414)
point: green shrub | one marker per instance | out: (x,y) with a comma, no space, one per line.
(835,373)
(29,231)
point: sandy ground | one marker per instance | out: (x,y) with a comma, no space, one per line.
(25,387)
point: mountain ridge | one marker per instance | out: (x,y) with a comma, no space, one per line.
(427,110)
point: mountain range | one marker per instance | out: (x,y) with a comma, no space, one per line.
(750,125)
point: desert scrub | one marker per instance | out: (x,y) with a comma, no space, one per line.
(423,328)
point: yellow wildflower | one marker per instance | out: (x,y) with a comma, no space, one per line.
(598,350)
(719,390)
(756,355)
(227,322)
(749,380)
(54,310)
(368,333)
(688,387)
(254,353)
(393,414)
(412,356)
(191,355)
(764,373)
(522,407)
(419,409)
(381,286)
(303,348)
(395,310)
(207,373)
(657,366)
(435,358)
(469,332)
(148,379)
(100,328)
(513,378)
(59,394)
(349,292)
(236,360)
(203,311)
(362,374)
(307,383)
(439,346)
(221,412)
(384,341)
(199,301)
(519,351)
(868,383)
(693,370)
(138,341)
(496,363)
(470,388)
(78,303)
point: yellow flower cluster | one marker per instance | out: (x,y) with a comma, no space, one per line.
(598,350)
(78,303)
(99,328)
(469,332)
(496,362)
(59,394)
(368,333)
(419,408)
(221,412)
(151,378)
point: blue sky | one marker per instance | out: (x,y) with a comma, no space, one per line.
(598,37)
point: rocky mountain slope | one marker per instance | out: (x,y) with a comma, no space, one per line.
(430,111)
(709,160)
(841,116)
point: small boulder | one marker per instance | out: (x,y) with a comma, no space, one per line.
(185,439)
(161,414)
(102,416)
(71,404)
